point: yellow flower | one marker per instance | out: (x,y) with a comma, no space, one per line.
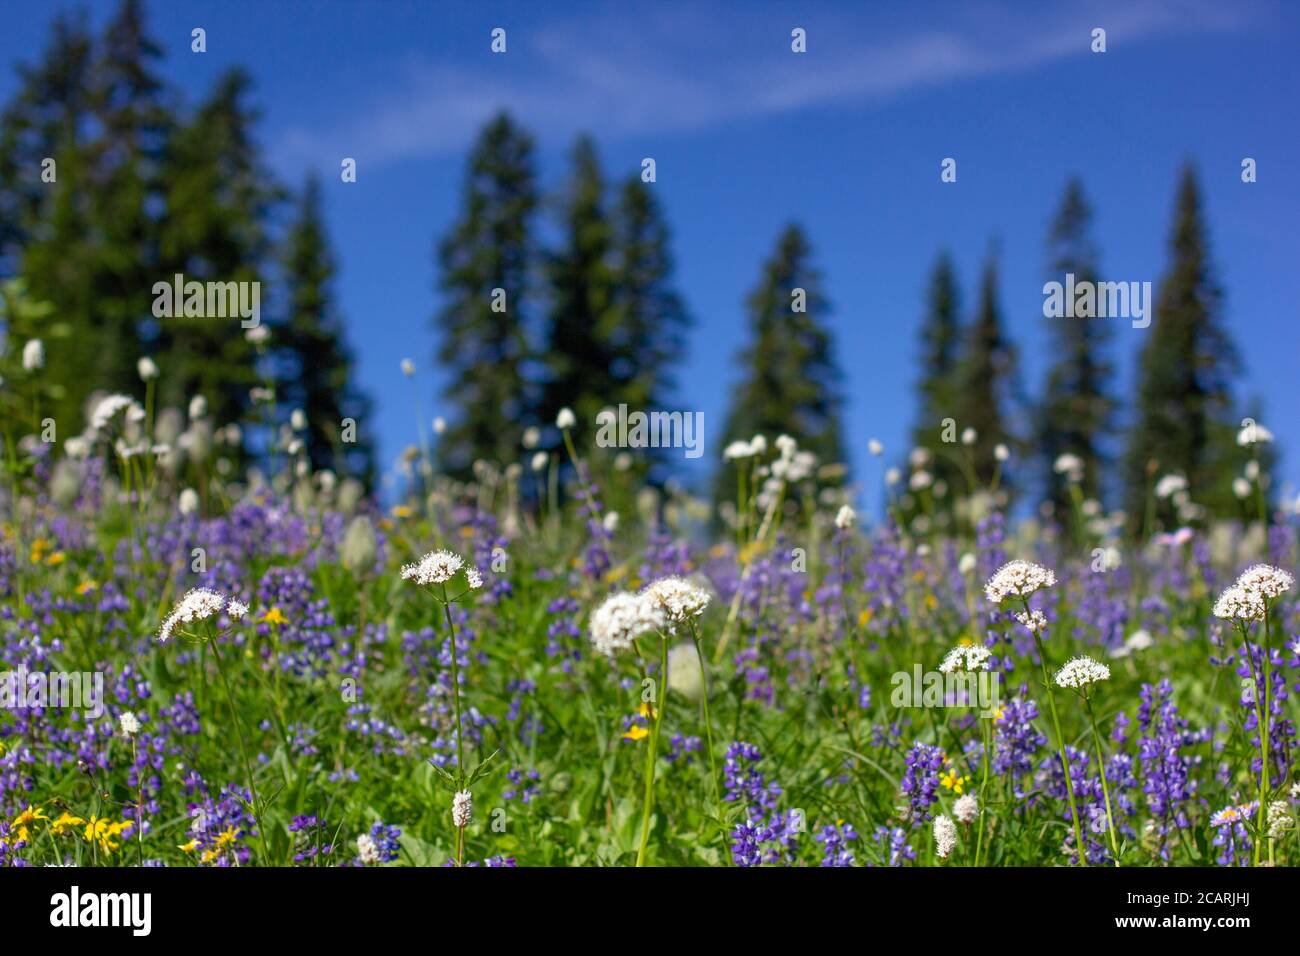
(953,782)
(637,732)
(39,548)
(56,558)
(85,587)
(646,710)
(189,847)
(931,602)
(66,823)
(274,616)
(616,573)
(105,832)
(402,511)
(864,618)
(27,819)
(467,532)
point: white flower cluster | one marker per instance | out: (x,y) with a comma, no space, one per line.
(1247,599)
(678,599)
(966,809)
(945,836)
(200,604)
(846,518)
(1018,579)
(462,809)
(1035,621)
(621,619)
(1081,672)
(367,851)
(129,724)
(438,567)
(1279,819)
(973,657)
(108,408)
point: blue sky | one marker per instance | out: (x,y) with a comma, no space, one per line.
(847,139)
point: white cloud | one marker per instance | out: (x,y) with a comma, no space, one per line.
(685,67)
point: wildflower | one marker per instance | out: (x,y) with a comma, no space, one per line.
(565,419)
(846,518)
(28,818)
(107,409)
(945,836)
(367,851)
(969,436)
(636,732)
(966,809)
(1035,622)
(33,356)
(236,610)
(1082,672)
(129,724)
(104,833)
(966,657)
(198,408)
(436,567)
(875,448)
(1068,464)
(66,823)
(408,367)
(679,599)
(147,369)
(738,450)
(920,480)
(462,809)
(1018,578)
(1237,603)
(198,604)
(1170,485)
(951,780)
(1267,581)
(1001,452)
(1279,819)
(539,461)
(473,578)
(967,563)
(621,619)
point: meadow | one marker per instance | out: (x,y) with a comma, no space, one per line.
(560,664)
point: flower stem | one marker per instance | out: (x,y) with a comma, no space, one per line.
(243,751)
(455,696)
(708,739)
(1105,789)
(1080,846)
(661,699)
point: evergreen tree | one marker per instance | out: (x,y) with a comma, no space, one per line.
(1076,411)
(484,341)
(582,278)
(790,381)
(218,200)
(50,229)
(987,376)
(649,319)
(313,361)
(938,389)
(1184,423)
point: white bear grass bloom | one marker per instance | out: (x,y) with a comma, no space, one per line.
(129,724)
(1018,579)
(1080,673)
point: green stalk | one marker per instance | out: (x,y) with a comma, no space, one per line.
(1060,744)
(651,757)
(1105,789)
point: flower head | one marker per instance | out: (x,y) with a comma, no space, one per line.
(621,619)
(1019,579)
(436,567)
(966,809)
(945,836)
(846,518)
(1237,603)
(1267,581)
(462,808)
(1081,672)
(678,599)
(198,604)
(33,355)
(1035,621)
(129,723)
(966,657)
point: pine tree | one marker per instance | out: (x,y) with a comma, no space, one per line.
(1184,423)
(313,361)
(50,230)
(218,200)
(650,320)
(938,389)
(484,342)
(1076,410)
(790,380)
(582,280)
(987,376)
